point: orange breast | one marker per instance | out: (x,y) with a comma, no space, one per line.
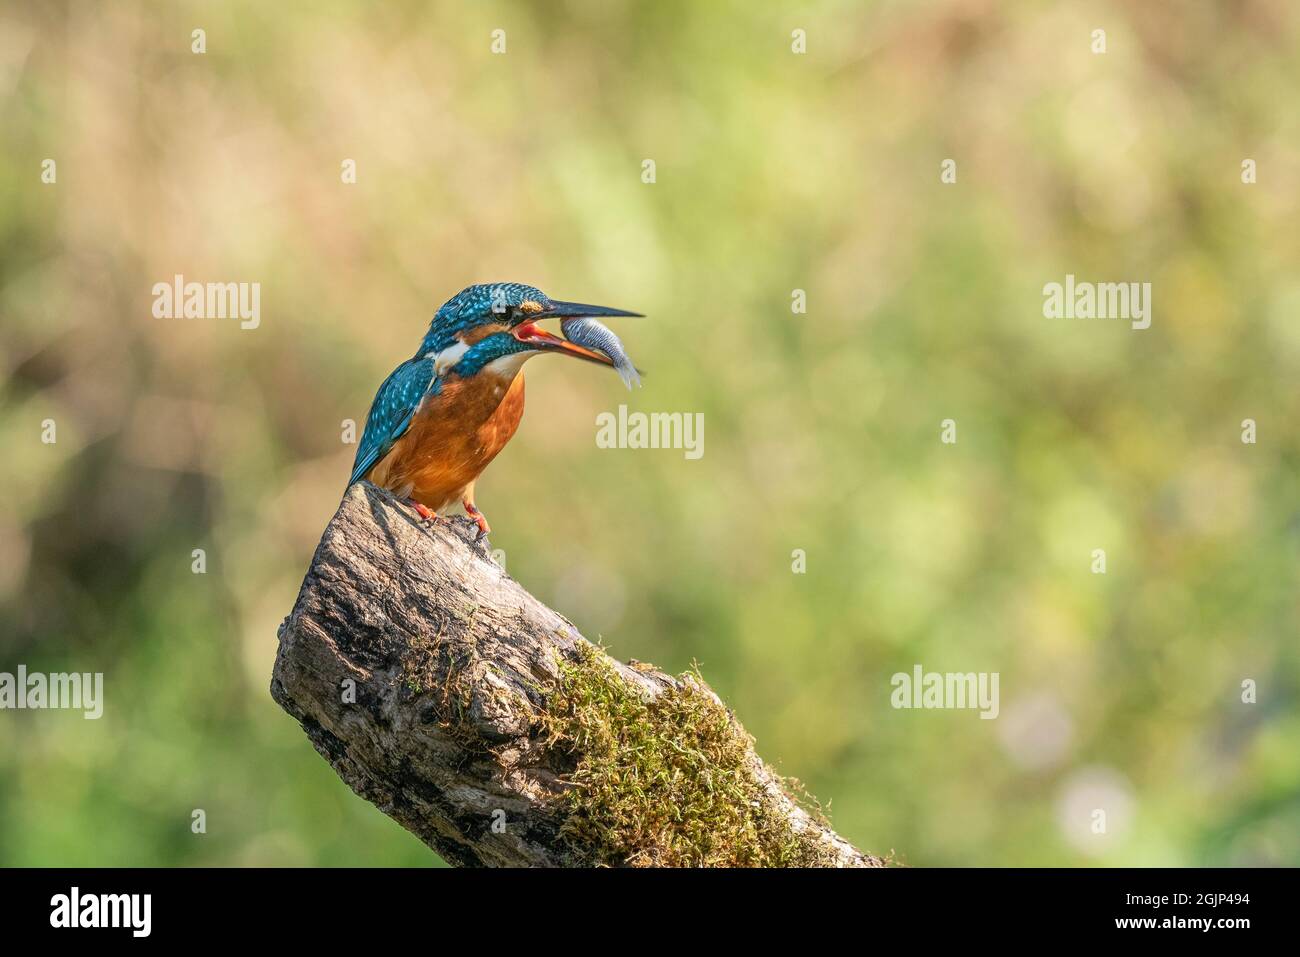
(452,439)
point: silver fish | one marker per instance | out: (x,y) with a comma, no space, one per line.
(590,334)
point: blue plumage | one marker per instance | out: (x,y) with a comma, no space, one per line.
(391,412)
(475,305)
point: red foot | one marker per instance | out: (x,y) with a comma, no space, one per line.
(474,513)
(423,511)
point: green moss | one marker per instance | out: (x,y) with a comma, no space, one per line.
(667,781)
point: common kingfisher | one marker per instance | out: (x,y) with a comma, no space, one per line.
(442,415)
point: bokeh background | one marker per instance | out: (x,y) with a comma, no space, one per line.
(775,172)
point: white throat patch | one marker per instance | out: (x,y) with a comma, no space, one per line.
(447,358)
(507,366)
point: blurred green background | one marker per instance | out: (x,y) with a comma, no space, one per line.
(775,172)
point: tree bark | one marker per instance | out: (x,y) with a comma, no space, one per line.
(422,672)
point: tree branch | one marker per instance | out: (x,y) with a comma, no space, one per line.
(484,723)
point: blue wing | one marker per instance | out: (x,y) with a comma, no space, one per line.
(391,412)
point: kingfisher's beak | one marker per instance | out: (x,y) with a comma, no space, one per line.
(543,341)
(574,310)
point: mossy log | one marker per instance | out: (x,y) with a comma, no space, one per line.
(484,723)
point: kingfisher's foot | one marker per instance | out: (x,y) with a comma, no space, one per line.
(472,510)
(426,514)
